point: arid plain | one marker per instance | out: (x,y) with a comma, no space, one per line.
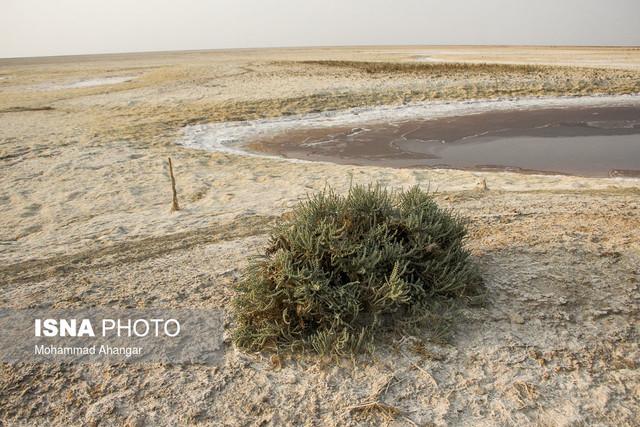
(85,206)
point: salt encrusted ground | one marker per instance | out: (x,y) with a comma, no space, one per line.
(85,203)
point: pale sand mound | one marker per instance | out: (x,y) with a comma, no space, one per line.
(85,205)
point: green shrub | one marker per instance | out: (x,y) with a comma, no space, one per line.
(340,268)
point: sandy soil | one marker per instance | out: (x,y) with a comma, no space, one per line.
(85,201)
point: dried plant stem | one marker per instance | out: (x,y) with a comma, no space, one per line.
(388,412)
(174,204)
(424,371)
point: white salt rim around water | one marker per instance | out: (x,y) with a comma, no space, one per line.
(231,137)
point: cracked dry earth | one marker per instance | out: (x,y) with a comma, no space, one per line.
(556,342)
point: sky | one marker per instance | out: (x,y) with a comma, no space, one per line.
(71,27)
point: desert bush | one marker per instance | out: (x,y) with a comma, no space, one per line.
(340,268)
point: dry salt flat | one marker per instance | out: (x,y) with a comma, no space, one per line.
(85,204)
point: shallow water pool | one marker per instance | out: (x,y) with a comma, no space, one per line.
(587,141)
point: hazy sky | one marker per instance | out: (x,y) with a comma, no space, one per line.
(58,27)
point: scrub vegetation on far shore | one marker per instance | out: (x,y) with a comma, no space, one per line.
(339,269)
(380,67)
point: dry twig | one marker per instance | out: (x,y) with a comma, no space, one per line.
(375,405)
(174,204)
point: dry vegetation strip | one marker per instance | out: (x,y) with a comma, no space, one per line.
(377,67)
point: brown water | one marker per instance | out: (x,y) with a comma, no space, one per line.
(602,141)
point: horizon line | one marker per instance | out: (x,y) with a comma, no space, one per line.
(133,52)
